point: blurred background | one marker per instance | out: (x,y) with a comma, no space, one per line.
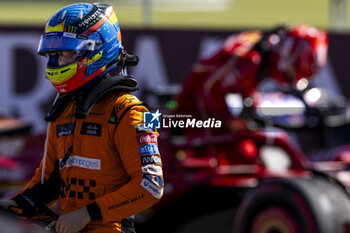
(168,36)
(194,14)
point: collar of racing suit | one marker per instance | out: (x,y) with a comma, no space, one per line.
(89,97)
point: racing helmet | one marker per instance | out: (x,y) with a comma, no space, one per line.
(92,31)
(300,53)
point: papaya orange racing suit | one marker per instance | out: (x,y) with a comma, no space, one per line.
(114,167)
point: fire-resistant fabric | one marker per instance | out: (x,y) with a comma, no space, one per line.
(114,167)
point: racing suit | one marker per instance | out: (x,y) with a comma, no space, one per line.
(113,168)
(234,68)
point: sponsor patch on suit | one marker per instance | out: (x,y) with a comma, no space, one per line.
(152,188)
(65,129)
(150,159)
(147,138)
(140,129)
(113,118)
(78,161)
(158,180)
(153,170)
(148,149)
(91,129)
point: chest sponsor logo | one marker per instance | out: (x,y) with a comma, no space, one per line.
(78,161)
(152,188)
(64,130)
(91,129)
(148,149)
(150,159)
(147,138)
(153,170)
(140,129)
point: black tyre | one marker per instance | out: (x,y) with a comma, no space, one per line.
(218,221)
(294,205)
(202,209)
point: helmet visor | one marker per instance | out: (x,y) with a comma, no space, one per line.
(64,41)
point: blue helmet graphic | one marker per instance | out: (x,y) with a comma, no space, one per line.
(92,31)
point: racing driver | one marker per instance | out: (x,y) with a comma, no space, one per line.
(244,59)
(100,163)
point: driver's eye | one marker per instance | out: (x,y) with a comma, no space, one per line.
(52,53)
(63,53)
(73,53)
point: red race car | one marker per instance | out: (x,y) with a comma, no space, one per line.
(258,180)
